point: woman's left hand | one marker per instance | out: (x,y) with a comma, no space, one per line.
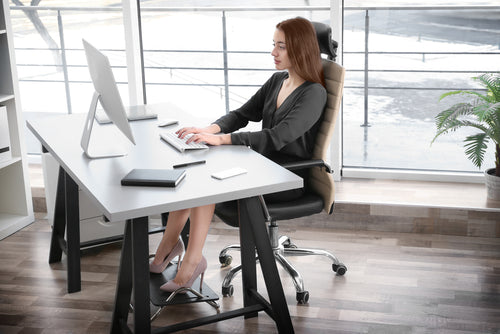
(210,139)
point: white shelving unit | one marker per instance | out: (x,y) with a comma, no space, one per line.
(16,206)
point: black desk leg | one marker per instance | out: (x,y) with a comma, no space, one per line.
(133,273)
(140,268)
(248,264)
(252,226)
(67,215)
(73,235)
(59,225)
(124,285)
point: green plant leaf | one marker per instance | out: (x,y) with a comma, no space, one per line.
(475,148)
(491,82)
(480,110)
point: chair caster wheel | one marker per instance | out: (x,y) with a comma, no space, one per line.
(289,244)
(227,291)
(303,297)
(340,268)
(225,260)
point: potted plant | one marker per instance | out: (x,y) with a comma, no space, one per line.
(482,112)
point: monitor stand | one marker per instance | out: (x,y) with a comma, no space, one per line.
(102,151)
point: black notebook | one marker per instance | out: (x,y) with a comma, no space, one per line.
(154,177)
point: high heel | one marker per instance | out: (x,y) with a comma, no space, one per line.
(171,286)
(176,251)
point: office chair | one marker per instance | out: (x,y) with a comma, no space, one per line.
(319,193)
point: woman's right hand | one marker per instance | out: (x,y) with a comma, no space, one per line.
(208,135)
(183,132)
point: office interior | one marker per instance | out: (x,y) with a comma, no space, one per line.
(412,222)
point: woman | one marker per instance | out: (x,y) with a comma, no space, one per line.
(289,104)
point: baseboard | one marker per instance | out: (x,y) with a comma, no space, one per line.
(388,218)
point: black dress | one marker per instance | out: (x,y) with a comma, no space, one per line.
(288,132)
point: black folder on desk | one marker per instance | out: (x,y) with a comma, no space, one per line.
(154,177)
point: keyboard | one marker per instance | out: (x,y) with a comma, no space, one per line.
(180,144)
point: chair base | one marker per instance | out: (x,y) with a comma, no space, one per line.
(282,246)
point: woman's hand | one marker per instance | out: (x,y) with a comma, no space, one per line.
(210,139)
(208,135)
(212,128)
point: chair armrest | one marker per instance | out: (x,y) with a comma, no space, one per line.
(305,164)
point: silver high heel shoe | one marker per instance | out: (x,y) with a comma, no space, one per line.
(171,286)
(176,251)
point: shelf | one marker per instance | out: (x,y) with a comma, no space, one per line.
(9,162)
(5,97)
(16,206)
(12,223)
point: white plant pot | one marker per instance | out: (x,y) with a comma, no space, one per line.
(492,184)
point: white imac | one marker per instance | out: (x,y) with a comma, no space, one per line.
(107,94)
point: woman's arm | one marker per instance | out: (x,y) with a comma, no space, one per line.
(252,110)
(237,119)
(289,124)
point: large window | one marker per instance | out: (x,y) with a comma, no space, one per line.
(210,57)
(399,61)
(51,65)
(52,71)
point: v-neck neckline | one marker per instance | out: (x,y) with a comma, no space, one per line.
(286,98)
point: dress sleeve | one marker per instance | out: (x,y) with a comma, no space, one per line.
(252,110)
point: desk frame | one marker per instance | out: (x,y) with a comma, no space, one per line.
(134,269)
(67,215)
(76,171)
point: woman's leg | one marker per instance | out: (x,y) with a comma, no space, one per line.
(199,224)
(175,224)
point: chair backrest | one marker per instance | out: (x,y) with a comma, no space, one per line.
(327,45)
(320,180)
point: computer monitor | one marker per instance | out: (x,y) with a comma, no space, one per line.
(107,94)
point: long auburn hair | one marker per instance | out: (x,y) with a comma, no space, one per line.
(303,49)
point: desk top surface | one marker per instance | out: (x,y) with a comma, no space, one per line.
(100,178)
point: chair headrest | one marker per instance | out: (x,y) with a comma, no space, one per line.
(326,44)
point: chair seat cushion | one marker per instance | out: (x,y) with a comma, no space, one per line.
(228,212)
(306,205)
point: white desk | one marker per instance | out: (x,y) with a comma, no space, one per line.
(100,179)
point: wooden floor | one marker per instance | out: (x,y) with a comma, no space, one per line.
(395,283)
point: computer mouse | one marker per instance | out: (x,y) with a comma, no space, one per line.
(167,122)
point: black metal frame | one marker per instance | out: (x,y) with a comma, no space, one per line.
(67,215)
(133,276)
